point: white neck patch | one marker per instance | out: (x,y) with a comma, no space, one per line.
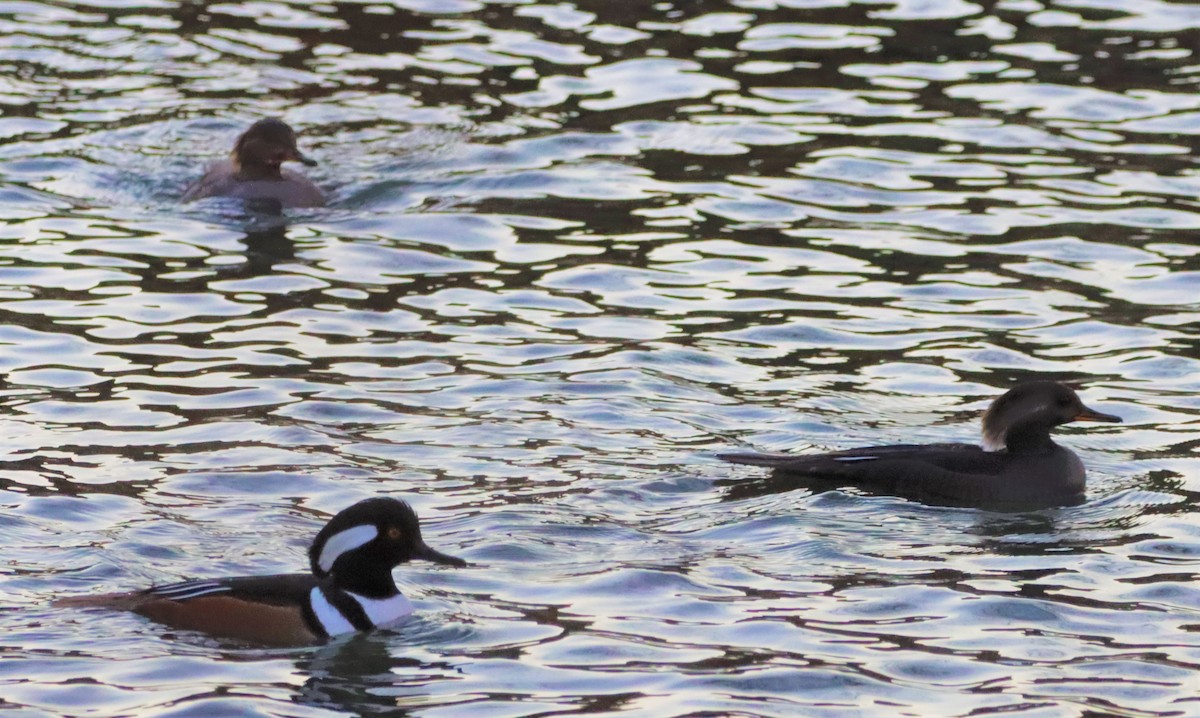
(327,615)
(383,611)
(991,442)
(344,541)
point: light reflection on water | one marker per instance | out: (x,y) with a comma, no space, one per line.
(573,250)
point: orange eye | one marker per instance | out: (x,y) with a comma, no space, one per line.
(393,533)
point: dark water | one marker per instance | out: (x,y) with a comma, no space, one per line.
(573,250)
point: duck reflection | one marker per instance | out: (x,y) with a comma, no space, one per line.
(266,248)
(358,676)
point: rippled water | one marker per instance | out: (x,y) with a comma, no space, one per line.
(573,250)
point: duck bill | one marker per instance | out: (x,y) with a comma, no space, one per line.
(302,158)
(1093,415)
(423,551)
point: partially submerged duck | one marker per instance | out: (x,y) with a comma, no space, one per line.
(1018,466)
(254,171)
(350,587)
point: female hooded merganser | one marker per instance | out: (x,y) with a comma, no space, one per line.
(254,172)
(350,588)
(1018,465)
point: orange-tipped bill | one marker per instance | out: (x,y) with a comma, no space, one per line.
(1092,415)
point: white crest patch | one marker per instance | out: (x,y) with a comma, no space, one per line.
(344,541)
(329,617)
(383,611)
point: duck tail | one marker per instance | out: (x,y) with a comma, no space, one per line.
(753,458)
(118,601)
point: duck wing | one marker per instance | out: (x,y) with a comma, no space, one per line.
(958,474)
(870,460)
(282,589)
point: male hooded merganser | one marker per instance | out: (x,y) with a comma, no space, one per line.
(1018,465)
(350,588)
(254,172)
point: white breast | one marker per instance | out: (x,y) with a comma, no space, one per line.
(330,618)
(383,611)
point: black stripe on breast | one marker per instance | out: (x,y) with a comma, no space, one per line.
(348,607)
(311,620)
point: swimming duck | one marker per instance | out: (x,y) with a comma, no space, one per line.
(1019,465)
(254,172)
(350,587)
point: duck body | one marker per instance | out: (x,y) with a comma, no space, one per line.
(350,587)
(290,189)
(272,610)
(943,474)
(254,172)
(1019,466)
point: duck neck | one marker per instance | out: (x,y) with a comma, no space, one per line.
(371,582)
(249,171)
(1029,439)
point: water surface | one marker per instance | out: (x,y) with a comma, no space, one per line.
(572,251)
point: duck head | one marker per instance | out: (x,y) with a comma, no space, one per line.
(361,545)
(264,147)
(1021,419)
